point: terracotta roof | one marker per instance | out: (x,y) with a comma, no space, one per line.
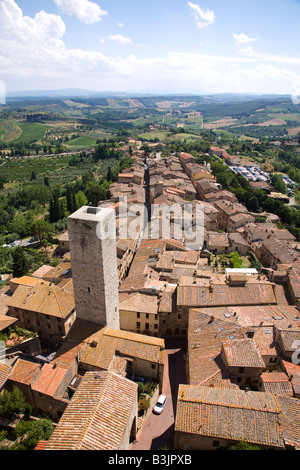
(280,316)
(28,281)
(41,445)
(4,373)
(242,353)
(44,298)
(291,421)
(224,295)
(288,338)
(98,414)
(39,273)
(252,417)
(24,372)
(277,383)
(293,372)
(50,380)
(217,239)
(138,302)
(62,270)
(205,336)
(6,321)
(69,352)
(104,345)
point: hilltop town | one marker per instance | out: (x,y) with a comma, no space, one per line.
(212,322)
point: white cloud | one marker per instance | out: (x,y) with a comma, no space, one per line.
(247,51)
(121,25)
(118,38)
(203,17)
(243,38)
(86,11)
(43,28)
(33,55)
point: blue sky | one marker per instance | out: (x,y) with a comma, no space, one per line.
(175,46)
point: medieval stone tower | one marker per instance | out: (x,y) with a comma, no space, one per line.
(92,237)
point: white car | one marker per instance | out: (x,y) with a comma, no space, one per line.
(158,409)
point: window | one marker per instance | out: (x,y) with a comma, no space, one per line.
(153,366)
(179,316)
(156,326)
(147,316)
(241,370)
(138,315)
(89,290)
(216,444)
(138,324)
(147,326)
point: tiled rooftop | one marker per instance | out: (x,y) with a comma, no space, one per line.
(242,353)
(139,302)
(277,383)
(104,345)
(50,379)
(44,298)
(224,295)
(97,415)
(4,372)
(229,414)
(24,372)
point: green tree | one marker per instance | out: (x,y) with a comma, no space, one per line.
(29,433)
(41,228)
(20,262)
(278,183)
(244,446)
(55,209)
(95,194)
(71,200)
(81,199)
(235,260)
(12,402)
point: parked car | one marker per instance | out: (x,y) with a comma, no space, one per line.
(158,409)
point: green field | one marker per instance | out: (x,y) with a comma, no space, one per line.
(9,130)
(32,132)
(83,141)
(12,130)
(20,169)
(286,117)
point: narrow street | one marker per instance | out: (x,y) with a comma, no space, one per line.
(157,430)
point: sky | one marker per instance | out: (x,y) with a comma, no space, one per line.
(157,46)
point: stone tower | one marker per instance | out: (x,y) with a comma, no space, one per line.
(92,237)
